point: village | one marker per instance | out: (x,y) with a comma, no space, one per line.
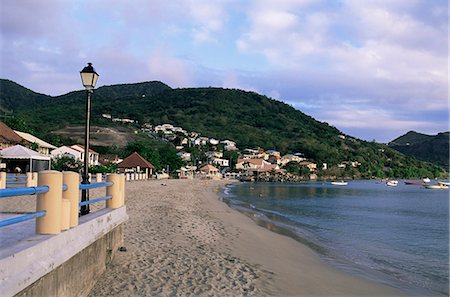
(203,157)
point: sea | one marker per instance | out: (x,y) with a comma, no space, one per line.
(397,236)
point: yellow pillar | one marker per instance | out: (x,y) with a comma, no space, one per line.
(35,178)
(72,180)
(65,214)
(50,202)
(2,180)
(114,190)
(99,177)
(122,190)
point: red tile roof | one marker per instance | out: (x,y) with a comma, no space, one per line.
(134,160)
(8,136)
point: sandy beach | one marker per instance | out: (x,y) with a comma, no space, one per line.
(182,241)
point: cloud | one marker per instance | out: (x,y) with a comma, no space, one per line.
(169,69)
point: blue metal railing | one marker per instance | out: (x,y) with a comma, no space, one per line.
(23,191)
(94,200)
(96,185)
(26,217)
(4,193)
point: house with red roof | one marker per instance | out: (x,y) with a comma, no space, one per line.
(136,163)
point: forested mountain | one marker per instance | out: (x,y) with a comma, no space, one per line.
(431,148)
(250,119)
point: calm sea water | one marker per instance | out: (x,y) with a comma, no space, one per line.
(394,235)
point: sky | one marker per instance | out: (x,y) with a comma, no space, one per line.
(374,69)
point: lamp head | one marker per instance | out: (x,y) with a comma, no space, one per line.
(89,77)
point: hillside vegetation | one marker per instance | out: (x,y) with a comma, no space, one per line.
(431,148)
(250,119)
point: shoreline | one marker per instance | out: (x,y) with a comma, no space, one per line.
(181,239)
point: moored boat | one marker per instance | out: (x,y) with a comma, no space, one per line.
(392,183)
(414,183)
(438,186)
(339,183)
(426,180)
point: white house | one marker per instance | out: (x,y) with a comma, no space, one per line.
(229,145)
(66,151)
(42,146)
(184,156)
(93,155)
(221,162)
(213,141)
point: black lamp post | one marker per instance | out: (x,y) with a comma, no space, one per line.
(89,79)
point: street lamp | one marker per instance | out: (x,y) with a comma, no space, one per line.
(89,79)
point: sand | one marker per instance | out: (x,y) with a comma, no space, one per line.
(182,241)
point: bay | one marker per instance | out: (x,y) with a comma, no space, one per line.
(398,236)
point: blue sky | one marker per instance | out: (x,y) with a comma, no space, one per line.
(374,69)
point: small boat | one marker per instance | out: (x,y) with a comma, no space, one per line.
(426,180)
(414,183)
(438,186)
(339,183)
(392,183)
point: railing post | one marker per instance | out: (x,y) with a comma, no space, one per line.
(50,202)
(99,177)
(2,180)
(114,190)
(122,190)
(71,179)
(65,214)
(35,178)
(31,179)
(127,176)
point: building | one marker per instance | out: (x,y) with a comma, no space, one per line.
(42,147)
(66,151)
(9,138)
(221,162)
(136,163)
(93,155)
(210,171)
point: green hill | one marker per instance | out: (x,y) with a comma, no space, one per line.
(248,118)
(431,148)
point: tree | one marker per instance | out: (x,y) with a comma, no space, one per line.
(66,163)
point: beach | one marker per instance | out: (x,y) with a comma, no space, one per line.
(181,240)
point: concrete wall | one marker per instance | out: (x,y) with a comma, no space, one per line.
(77,276)
(66,264)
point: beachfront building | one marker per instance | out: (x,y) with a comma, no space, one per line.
(135,163)
(209,171)
(93,155)
(187,172)
(25,159)
(66,151)
(9,138)
(42,147)
(250,164)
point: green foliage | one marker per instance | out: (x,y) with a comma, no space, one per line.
(297,169)
(107,168)
(66,163)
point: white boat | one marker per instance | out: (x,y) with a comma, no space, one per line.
(392,183)
(438,186)
(426,180)
(339,183)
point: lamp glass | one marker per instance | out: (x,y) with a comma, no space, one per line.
(89,77)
